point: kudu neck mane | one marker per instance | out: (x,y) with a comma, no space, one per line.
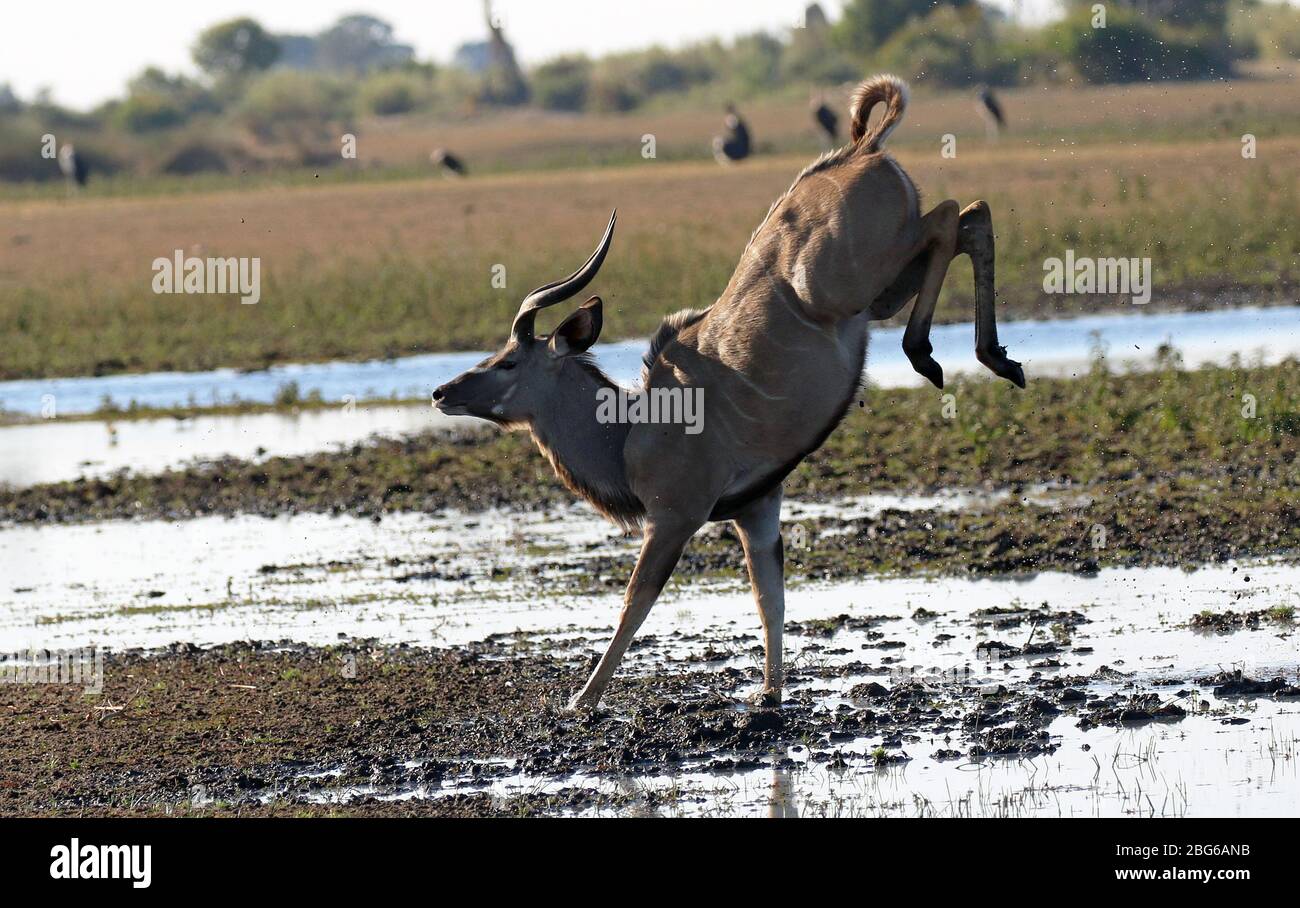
(587,454)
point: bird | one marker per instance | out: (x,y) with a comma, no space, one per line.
(994,119)
(734,146)
(450,164)
(828,120)
(74,167)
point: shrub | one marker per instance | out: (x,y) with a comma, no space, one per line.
(658,72)
(387,94)
(949,47)
(563,84)
(614,85)
(756,61)
(1269,31)
(148,112)
(1131,49)
(294,108)
(197,154)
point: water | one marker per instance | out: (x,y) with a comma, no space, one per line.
(123,584)
(52,451)
(456,578)
(56,451)
(1045,347)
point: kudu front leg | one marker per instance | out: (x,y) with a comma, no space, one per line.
(660,550)
(759,528)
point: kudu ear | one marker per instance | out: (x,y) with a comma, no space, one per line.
(579,331)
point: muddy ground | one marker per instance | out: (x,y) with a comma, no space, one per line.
(1104,432)
(1159,468)
(286,729)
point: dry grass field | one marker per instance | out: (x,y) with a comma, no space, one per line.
(1266,104)
(390,267)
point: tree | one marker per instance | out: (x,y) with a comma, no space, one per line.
(756,61)
(951,46)
(295,109)
(360,43)
(563,83)
(234,49)
(1181,13)
(9,102)
(1133,48)
(867,24)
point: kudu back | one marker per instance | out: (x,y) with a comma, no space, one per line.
(776,362)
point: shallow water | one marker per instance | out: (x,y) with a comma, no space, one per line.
(452,578)
(1058,346)
(52,451)
(1197,767)
(57,451)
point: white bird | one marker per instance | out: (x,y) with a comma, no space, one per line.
(74,167)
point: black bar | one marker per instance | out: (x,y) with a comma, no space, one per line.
(217,857)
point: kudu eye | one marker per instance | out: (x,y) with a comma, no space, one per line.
(507,365)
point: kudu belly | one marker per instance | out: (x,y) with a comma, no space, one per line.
(795,414)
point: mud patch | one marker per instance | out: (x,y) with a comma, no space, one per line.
(370,729)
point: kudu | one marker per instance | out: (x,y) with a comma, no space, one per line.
(780,357)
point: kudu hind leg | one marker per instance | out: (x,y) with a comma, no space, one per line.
(975,238)
(759,528)
(660,551)
(938,235)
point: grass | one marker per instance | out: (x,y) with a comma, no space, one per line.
(1164,464)
(1167,425)
(1264,103)
(393,267)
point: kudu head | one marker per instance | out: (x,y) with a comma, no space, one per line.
(514,385)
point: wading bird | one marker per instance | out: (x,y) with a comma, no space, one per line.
(994,119)
(734,146)
(828,121)
(778,359)
(74,168)
(450,164)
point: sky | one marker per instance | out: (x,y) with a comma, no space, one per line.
(84,51)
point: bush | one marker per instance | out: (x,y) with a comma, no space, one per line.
(197,153)
(1130,49)
(614,85)
(658,72)
(148,112)
(563,84)
(387,94)
(755,61)
(295,108)
(20,153)
(1271,32)
(610,94)
(950,47)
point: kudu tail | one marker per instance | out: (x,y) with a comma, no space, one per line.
(886,89)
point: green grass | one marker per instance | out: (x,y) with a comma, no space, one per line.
(1101,433)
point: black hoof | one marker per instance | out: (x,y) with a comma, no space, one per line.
(930,369)
(1012,372)
(999,365)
